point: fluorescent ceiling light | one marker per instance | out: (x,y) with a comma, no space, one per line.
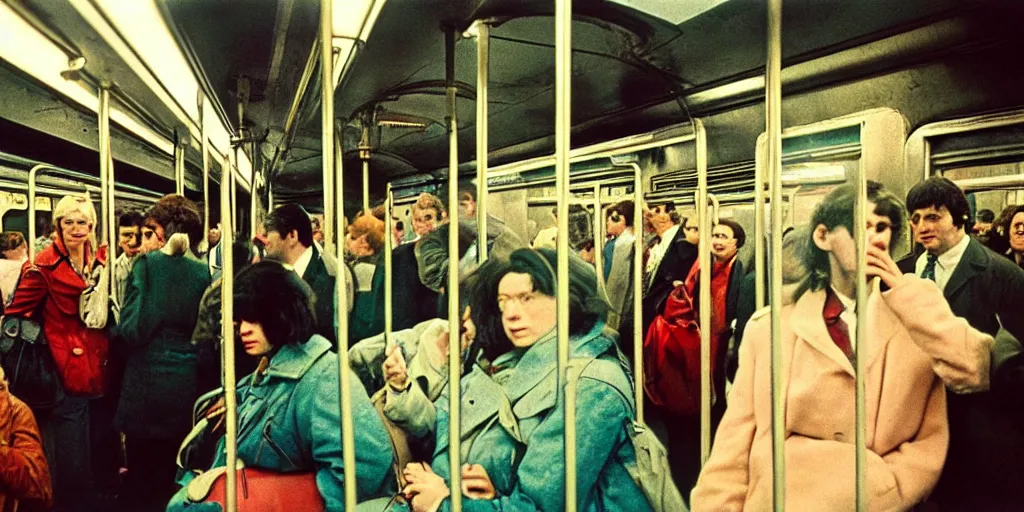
(352,20)
(33,53)
(142,26)
(812,173)
(672,11)
(30,51)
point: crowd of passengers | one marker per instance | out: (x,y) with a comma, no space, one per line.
(944,381)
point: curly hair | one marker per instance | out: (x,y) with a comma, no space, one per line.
(177,214)
(370,226)
(429,201)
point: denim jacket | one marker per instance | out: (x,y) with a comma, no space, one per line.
(531,477)
(289,420)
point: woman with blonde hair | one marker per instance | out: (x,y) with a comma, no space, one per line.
(50,292)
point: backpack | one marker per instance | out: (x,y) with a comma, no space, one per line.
(672,352)
(650,471)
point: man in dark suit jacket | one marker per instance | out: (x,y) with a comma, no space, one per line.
(290,241)
(984,469)
(415,302)
(669,261)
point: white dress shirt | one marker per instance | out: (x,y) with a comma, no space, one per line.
(302,263)
(658,251)
(849,315)
(946,263)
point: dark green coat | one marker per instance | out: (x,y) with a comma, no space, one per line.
(322,282)
(157,320)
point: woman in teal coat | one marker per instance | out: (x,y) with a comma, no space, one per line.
(289,418)
(519,465)
(161,373)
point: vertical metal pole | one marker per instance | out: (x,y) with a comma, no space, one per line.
(328,171)
(773,113)
(205,144)
(638,283)
(32,212)
(342,320)
(599,233)
(389,247)
(233,173)
(332,243)
(483,56)
(454,315)
(253,191)
(106,178)
(227,318)
(860,223)
(179,167)
(563,127)
(704,258)
(327,140)
(759,240)
(366,184)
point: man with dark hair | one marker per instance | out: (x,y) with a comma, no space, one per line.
(669,261)
(983,222)
(129,240)
(467,201)
(985,466)
(290,240)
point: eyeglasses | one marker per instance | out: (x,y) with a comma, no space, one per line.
(524,299)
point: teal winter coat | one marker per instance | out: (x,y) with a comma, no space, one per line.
(530,475)
(289,420)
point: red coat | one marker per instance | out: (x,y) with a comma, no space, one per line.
(49,292)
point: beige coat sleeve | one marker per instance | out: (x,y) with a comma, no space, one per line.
(961,355)
(723,482)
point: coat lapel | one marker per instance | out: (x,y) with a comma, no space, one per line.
(973,262)
(809,325)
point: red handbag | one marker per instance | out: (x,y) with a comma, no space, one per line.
(259,490)
(672,352)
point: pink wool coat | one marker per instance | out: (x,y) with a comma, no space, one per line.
(914,343)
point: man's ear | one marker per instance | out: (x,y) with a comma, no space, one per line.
(820,238)
(293,235)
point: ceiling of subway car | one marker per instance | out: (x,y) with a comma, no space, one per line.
(625,60)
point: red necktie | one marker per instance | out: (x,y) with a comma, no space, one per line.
(837,328)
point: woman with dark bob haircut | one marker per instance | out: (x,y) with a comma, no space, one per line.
(288,409)
(514,458)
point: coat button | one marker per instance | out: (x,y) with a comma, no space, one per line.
(838,436)
(77,351)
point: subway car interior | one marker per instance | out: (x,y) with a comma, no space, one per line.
(821,158)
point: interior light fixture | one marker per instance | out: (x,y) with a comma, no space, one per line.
(33,53)
(813,174)
(137,31)
(401,124)
(672,11)
(352,21)
(141,25)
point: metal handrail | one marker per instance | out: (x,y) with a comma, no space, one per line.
(773,128)
(454,316)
